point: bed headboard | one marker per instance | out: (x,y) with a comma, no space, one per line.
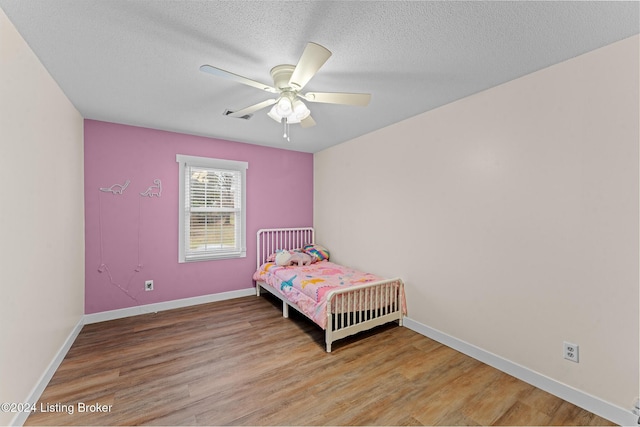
(272,239)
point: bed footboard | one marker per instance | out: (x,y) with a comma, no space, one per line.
(359,308)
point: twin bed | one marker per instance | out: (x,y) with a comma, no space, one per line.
(340,300)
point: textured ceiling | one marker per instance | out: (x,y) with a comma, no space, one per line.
(136,61)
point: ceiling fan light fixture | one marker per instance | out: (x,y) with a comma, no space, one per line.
(294,112)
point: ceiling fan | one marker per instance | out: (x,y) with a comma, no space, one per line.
(288,82)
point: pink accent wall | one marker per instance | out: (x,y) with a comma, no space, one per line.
(126,231)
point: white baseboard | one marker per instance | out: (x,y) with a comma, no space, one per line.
(579,398)
(162,306)
(36,392)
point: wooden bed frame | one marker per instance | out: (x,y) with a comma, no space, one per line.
(350,310)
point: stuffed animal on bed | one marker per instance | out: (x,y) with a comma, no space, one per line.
(300,258)
(285,258)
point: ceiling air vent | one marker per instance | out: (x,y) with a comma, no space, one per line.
(245,117)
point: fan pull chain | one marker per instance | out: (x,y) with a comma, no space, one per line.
(286,129)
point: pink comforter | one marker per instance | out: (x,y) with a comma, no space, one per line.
(307,286)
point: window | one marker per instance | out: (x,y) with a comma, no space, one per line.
(212,209)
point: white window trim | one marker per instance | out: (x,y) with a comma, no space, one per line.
(183,161)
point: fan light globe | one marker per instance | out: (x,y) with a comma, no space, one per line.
(284,107)
(300,112)
(274,114)
(299,108)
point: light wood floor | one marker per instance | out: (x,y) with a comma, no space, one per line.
(239,362)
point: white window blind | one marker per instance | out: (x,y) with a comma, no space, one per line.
(212,208)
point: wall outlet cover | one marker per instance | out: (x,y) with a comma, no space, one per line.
(571,351)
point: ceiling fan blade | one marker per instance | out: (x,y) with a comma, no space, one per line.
(308,122)
(359,99)
(236,78)
(252,108)
(313,57)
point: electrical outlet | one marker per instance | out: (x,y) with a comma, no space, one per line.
(571,351)
(148,285)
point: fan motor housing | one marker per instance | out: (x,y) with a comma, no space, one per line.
(281,75)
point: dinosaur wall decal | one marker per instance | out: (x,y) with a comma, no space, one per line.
(154,190)
(116,188)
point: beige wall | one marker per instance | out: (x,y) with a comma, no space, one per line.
(512,215)
(41,218)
